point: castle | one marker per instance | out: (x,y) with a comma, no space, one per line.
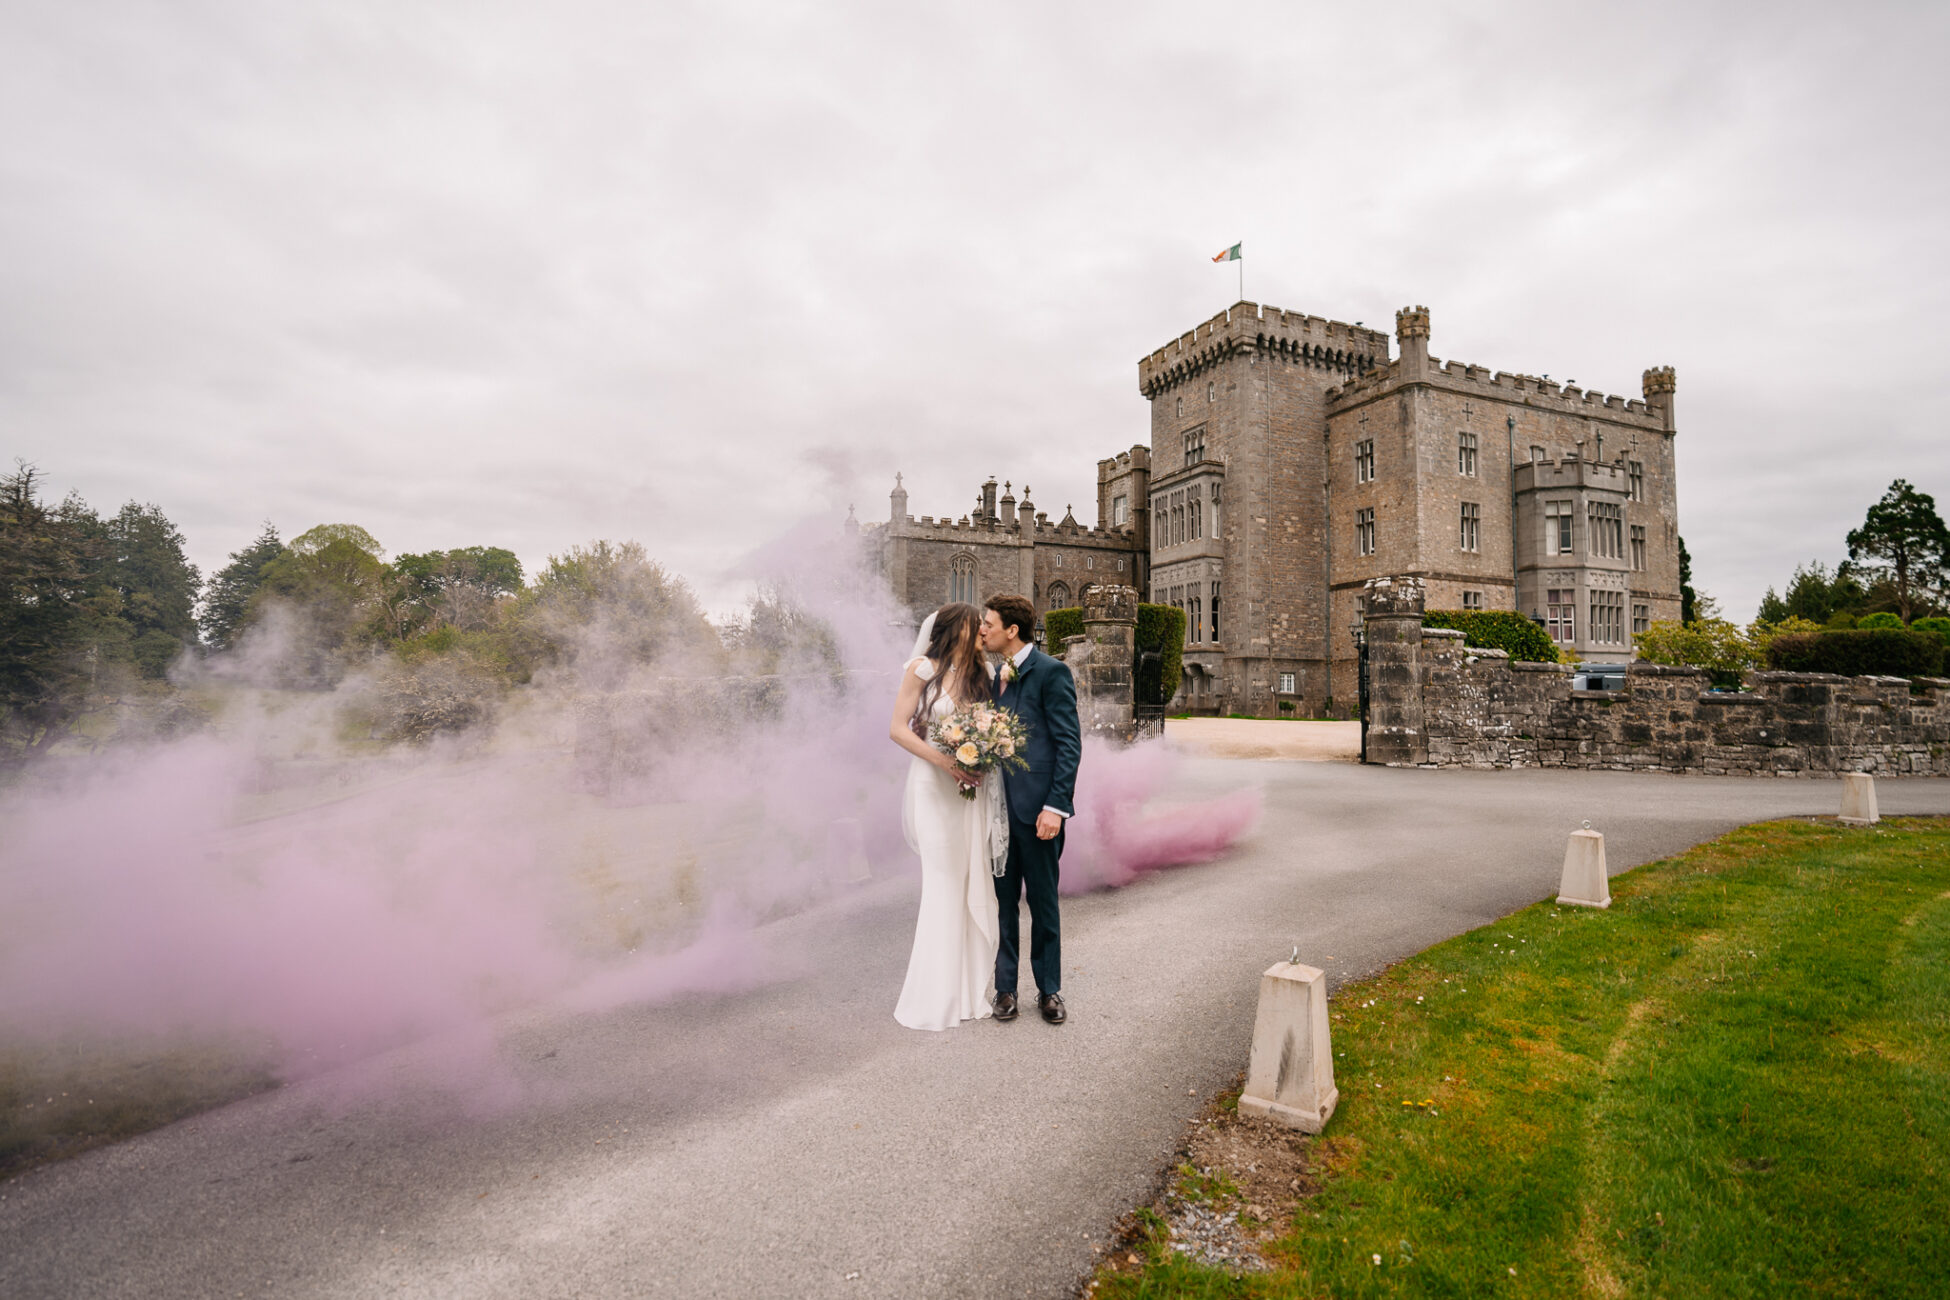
(1291,461)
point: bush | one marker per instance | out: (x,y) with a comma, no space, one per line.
(1881,652)
(1497,629)
(1881,619)
(1940,626)
(1714,644)
(1160,628)
(1059,625)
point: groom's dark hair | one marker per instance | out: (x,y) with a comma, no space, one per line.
(1015,611)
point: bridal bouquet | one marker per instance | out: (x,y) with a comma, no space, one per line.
(980,737)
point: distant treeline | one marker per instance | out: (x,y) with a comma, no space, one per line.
(104,621)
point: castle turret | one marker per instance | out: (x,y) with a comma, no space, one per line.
(1008,506)
(1658,388)
(1412,334)
(897,501)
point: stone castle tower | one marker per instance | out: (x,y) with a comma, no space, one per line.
(1304,462)
(1291,461)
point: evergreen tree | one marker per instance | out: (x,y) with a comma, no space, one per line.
(1903,541)
(231,588)
(44,569)
(154,582)
(1688,599)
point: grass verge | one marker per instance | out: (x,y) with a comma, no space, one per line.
(1734,1083)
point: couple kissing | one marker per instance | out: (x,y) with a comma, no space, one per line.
(995,745)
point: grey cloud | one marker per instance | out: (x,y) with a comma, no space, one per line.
(685,273)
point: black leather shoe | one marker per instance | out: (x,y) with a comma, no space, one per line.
(1005,1006)
(1052,1004)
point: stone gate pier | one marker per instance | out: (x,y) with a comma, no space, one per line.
(1102,661)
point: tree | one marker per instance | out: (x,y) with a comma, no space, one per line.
(332,580)
(1688,600)
(228,596)
(43,582)
(458,588)
(155,583)
(606,609)
(1904,540)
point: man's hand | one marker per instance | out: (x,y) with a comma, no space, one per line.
(1048,825)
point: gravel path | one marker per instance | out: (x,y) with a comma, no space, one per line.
(794,1141)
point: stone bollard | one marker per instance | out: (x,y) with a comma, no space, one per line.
(1291,1077)
(1584,882)
(1858,800)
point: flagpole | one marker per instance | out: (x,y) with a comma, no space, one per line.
(1242,277)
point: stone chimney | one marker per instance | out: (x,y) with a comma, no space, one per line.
(897,501)
(1008,506)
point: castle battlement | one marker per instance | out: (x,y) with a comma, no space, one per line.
(1505,386)
(1040,532)
(1250,327)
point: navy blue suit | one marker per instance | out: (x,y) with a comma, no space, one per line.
(1044,696)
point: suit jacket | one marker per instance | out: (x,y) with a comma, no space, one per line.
(1044,696)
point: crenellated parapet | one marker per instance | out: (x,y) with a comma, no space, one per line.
(1412,323)
(1658,381)
(1247,328)
(1502,386)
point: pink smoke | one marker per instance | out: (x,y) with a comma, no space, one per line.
(1113,839)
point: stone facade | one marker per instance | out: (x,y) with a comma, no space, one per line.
(1303,463)
(1459,707)
(1290,462)
(1003,545)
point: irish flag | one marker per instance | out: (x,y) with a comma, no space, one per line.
(1229,255)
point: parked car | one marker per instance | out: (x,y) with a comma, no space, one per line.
(1598,677)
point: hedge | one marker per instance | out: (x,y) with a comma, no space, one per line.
(1159,627)
(1880,652)
(1059,625)
(1497,629)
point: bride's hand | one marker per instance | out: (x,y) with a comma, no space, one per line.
(961,774)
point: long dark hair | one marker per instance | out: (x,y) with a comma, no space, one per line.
(957,657)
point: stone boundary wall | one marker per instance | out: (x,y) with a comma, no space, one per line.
(1478,709)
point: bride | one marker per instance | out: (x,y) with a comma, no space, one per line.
(962,842)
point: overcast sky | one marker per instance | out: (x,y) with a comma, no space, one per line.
(526,275)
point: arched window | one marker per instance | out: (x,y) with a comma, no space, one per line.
(1181,408)
(1198,518)
(961,578)
(1211,392)
(1059,596)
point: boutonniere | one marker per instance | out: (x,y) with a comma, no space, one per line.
(1008,672)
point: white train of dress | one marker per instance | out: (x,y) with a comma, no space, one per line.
(951,970)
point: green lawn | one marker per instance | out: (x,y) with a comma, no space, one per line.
(1734,1083)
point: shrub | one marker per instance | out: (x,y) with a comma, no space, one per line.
(1497,629)
(1160,628)
(1881,651)
(1881,619)
(1714,644)
(1940,626)
(1058,626)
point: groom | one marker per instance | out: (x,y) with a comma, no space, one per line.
(1042,693)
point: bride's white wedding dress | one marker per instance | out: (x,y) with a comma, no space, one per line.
(952,967)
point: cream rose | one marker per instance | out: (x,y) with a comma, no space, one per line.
(968,754)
